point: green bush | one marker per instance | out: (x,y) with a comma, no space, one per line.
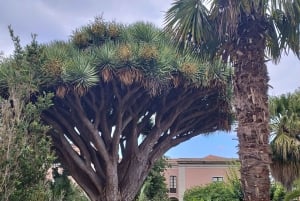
(216,191)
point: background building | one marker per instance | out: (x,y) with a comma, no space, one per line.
(185,173)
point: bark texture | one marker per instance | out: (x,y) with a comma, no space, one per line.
(110,137)
(251,104)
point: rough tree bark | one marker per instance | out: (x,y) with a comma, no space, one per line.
(251,104)
(120,130)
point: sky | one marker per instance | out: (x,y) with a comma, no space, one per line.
(56,19)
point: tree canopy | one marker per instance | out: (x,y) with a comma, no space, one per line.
(123,97)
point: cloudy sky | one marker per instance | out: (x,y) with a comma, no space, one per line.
(56,19)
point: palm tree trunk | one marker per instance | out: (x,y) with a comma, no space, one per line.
(251,104)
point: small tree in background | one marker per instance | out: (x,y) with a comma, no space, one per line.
(285,145)
(234,182)
(25,154)
(63,189)
(155,187)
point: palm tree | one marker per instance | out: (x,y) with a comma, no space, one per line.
(285,146)
(243,32)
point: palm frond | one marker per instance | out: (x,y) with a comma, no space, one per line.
(183,20)
(285,148)
(226,15)
(286,173)
(273,49)
(286,17)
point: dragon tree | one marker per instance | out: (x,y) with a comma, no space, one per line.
(123,96)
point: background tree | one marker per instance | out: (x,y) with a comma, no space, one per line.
(25,154)
(243,32)
(234,182)
(285,145)
(63,189)
(155,187)
(114,84)
(277,192)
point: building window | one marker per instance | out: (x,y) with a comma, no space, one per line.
(173,184)
(215,179)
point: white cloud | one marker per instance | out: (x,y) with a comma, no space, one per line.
(56,19)
(284,77)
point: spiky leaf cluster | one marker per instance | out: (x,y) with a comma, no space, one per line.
(100,51)
(137,53)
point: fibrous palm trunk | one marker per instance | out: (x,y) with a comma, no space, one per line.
(251,104)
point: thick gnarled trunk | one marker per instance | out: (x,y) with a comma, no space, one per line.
(251,104)
(107,141)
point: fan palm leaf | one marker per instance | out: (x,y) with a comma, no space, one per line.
(184,27)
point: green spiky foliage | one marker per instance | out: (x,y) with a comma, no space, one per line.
(137,51)
(245,33)
(285,145)
(123,97)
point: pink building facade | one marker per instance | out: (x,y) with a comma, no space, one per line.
(185,173)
